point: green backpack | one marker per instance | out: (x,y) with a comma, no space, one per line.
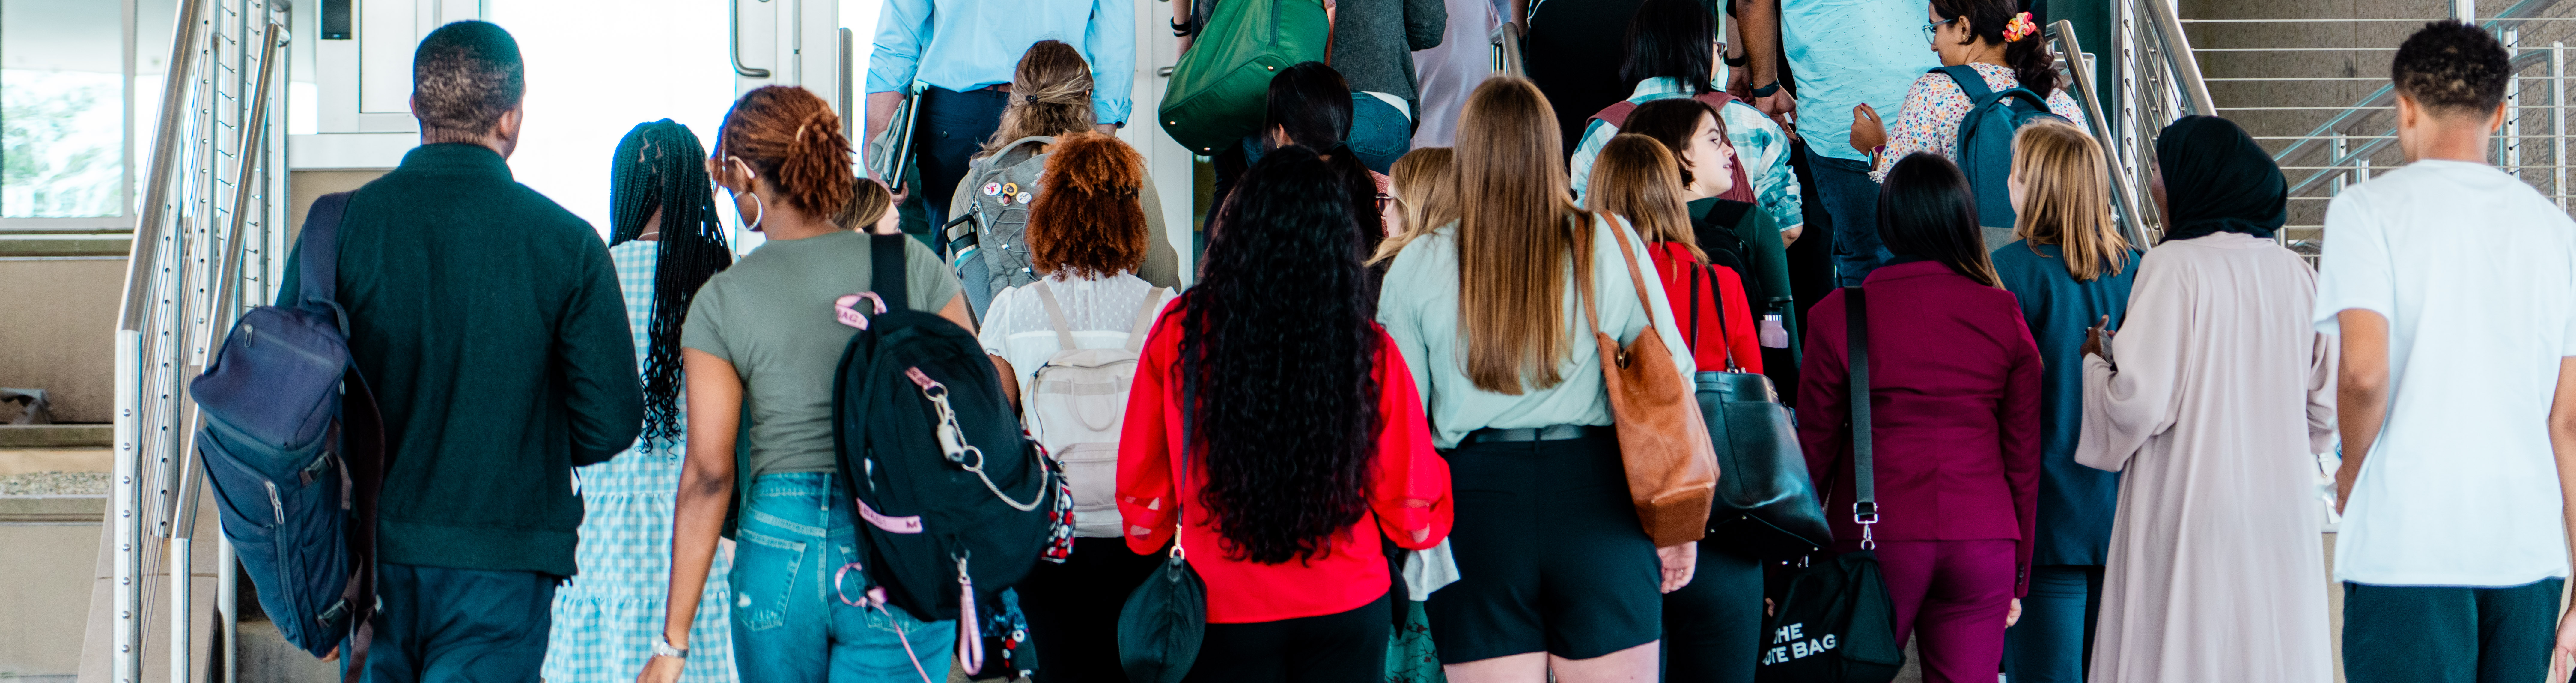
(1219,88)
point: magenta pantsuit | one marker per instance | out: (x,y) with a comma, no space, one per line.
(1955,406)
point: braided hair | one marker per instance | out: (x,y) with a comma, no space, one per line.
(660,170)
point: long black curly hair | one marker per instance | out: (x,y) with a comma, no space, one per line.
(1277,363)
(661,168)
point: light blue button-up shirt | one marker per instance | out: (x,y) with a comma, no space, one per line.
(1848,52)
(962,45)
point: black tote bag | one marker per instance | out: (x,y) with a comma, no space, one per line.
(1836,624)
(1164,621)
(1765,501)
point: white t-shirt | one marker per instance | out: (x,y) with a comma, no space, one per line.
(2476,274)
(1100,312)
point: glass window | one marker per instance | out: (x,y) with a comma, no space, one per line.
(62,105)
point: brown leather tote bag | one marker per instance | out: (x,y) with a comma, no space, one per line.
(1663,441)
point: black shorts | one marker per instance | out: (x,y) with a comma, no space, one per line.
(1551,556)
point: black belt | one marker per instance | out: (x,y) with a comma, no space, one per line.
(1548,433)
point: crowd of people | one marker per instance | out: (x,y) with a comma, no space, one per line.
(1383,421)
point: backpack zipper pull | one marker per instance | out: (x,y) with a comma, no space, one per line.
(275,503)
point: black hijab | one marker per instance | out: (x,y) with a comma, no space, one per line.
(2218,180)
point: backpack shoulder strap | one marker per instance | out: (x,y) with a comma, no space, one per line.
(1145,316)
(1616,114)
(886,270)
(1864,485)
(1715,98)
(1020,150)
(1970,82)
(1055,315)
(318,272)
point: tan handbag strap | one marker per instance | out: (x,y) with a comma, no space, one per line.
(1635,278)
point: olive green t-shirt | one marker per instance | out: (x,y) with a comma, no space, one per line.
(771,316)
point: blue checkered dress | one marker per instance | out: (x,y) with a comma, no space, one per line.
(605,620)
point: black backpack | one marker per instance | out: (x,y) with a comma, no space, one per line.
(1986,140)
(946,526)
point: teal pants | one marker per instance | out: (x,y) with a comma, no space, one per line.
(2449,634)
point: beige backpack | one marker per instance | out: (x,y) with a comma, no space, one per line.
(1076,405)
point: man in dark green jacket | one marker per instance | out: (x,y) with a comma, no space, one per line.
(489,323)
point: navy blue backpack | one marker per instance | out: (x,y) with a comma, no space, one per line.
(294,447)
(1986,140)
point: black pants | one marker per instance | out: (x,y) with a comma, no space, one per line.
(1713,627)
(2449,634)
(953,126)
(442,624)
(1347,647)
(1073,609)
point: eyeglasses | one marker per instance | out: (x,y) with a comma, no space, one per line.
(1932,30)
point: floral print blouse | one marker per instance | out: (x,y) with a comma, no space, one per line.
(1935,106)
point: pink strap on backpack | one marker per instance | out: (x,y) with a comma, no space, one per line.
(1617,116)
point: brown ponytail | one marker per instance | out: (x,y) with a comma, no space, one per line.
(792,138)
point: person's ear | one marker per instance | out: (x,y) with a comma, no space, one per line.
(505,130)
(2409,112)
(2495,119)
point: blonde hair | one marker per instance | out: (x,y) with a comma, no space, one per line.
(1050,95)
(869,202)
(1514,239)
(2066,191)
(1426,189)
(1636,177)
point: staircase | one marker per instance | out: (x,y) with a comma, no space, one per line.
(211,240)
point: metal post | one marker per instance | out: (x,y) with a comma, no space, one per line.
(228,603)
(2464,10)
(182,578)
(2511,151)
(2340,144)
(2558,122)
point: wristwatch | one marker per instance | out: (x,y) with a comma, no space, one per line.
(1765,91)
(662,648)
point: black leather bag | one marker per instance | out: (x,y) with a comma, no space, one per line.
(1165,619)
(1836,624)
(1765,501)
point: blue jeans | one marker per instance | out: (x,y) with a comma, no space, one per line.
(790,621)
(1852,199)
(2054,639)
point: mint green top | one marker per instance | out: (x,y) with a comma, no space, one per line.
(770,315)
(1418,304)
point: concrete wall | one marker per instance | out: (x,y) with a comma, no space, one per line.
(57,333)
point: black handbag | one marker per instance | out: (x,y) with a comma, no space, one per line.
(1765,501)
(1165,619)
(1835,623)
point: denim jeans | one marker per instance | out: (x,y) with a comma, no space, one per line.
(791,622)
(1852,199)
(2054,640)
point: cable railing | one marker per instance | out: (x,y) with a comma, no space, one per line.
(2135,219)
(212,236)
(2157,81)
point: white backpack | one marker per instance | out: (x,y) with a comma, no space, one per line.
(1076,405)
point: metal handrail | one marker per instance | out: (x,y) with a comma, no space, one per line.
(2124,191)
(2177,51)
(2386,95)
(1506,39)
(165,152)
(733,42)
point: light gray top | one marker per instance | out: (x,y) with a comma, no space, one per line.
(1419,307)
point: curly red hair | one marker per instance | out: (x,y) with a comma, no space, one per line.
(1087,222)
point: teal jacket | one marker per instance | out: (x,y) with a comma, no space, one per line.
(489,324)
